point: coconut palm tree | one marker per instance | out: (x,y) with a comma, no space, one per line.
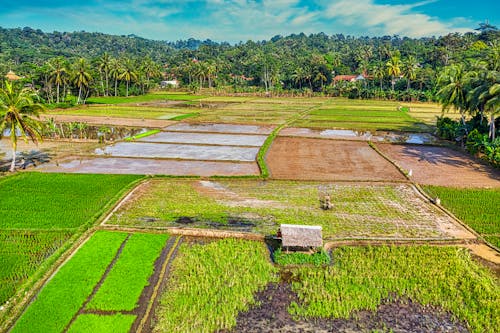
(394,69)
(128,73)
(103,65)
(58,74)
(115,69)
(17,109)
(409,70)
(378,72)
(81,77)
(453,83)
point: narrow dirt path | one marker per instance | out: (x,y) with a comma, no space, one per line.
(149,298)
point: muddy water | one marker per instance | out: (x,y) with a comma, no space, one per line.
(179,151)
(220,128)
(154,167)
(206,138)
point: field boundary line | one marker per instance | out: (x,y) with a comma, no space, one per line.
(154,296)
(264,149)
(118,205)
(192,232)
(384,156)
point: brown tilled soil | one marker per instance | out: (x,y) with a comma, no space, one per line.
(271,315)
(321,159)
(441,166)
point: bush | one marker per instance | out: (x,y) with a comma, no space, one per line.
(319,258)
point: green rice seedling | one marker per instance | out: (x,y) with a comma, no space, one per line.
(210,284)
(128,277)
(361,278)
(57,201)
(142,135)
(65,293)
(116,323)
(479,208)
(21,253)
(319,258)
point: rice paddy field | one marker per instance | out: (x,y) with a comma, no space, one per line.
(478,208)
(41,214)
(361,211)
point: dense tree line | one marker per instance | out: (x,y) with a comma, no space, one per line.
(86,64)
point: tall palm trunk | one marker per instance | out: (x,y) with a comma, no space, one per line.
(492,126)
(107,83)
(13,164)
(58,93)
(127,90)
(116,84)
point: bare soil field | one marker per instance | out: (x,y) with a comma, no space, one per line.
(441,166)
(318,159)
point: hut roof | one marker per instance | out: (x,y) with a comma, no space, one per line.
(12,76)
(293,235)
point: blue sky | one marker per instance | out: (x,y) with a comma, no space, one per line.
(241,20)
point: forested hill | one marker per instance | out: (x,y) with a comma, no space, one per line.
(29,45)
(34,45)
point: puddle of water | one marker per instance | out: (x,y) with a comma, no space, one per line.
(222,128)
(207,138)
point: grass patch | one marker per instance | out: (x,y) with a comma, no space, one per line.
(319,258)
(117,323)
(142,98)
(478,208)
(142,135)
(210,284)
(361,278)
(66,292)
(21,253)
(185,116)
(56,201)
(359,210)
(128,277)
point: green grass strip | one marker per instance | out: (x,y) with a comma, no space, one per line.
(142,135)
(362,277)
(210,284)
(184,116)
(128,277)
(117,323)
(66,292)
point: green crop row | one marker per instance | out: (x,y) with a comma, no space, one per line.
(142,135)
(143,98)
(210,284)
(362,278)
(56,201)
(319,258)
(67,291)
(478,208)
(128,277)
(21,253)
(116,323)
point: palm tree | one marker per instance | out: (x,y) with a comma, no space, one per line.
(128,73)
(409,70)
(81,77)
(394,69)
(115,69)
(150,69)
(17,109)
(378,72)
(103,66)
(453,84)
(58,74)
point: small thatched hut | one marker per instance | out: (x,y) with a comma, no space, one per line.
(301,236)
(12,76)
